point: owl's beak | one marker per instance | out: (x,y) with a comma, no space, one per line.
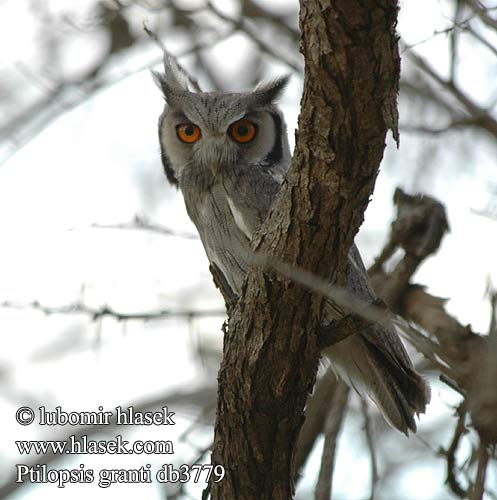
(217,153)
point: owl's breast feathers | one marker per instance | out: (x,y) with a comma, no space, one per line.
(227,214)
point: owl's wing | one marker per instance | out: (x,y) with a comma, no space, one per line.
(239,206)
(374,361)
(384,338)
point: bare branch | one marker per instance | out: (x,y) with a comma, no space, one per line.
(478,488)
(482,40)
(142,224)
(332,427)
(450,454)
(341,296)
(371,447)
(96,313)
(270,359)
(467,360)
(450,127)
(492,328)
(242,26)
(257,11)
(482,117)
(418,229)
(25,128)
(427,93)
(452,384)
(482,13)
(454,42)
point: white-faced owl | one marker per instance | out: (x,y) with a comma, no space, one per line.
(228,153)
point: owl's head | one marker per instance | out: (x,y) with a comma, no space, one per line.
(207,133)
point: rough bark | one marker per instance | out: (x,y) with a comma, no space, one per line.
(271,346)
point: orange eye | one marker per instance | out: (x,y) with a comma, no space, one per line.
(242,131)
(188,132)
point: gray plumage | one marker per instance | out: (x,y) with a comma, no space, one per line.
(228,153)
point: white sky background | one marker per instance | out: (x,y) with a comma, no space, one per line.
(100,163)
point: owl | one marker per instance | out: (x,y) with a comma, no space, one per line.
(228,153)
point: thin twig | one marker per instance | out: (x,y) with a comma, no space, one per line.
(371,447)
(45,111)
(268,49)
(482,13)
(105,311)
(492,328)
(454,42)
(479,487)
(332,427)
(452,384)
(483,116)
(449,127)
(154,37)
(450,453)
(340,296)
(198,420)
(143,225)
(482,40)
(446,31)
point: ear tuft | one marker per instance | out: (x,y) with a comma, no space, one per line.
(175,83)
(175,76)
(267,93)
(160,81)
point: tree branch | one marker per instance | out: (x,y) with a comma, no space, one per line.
(142,224)
(481,116)
(270,348)
(478,489)
(332,427)
(466,359)
(482,13)
(264,47)
(105,311)
(371,447)
(450,454)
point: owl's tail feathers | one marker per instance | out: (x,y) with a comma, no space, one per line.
(386,376)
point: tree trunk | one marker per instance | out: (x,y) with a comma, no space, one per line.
(271,346)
